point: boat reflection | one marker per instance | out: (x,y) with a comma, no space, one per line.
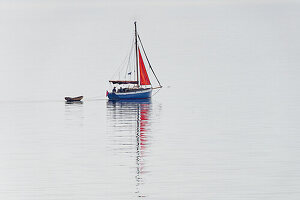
(73,102)
(132,117)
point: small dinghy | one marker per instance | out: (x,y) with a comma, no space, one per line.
(71,99)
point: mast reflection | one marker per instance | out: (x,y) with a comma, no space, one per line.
(133,116)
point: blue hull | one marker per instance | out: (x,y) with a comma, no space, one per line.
(130,95)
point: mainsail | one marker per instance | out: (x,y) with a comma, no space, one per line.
(144,79)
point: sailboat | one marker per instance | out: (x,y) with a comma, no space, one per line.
(140,87)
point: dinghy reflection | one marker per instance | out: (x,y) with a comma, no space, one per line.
(131,118)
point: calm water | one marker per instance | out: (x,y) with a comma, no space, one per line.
(225,125)
(150,149)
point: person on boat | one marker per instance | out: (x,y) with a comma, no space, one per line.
(114,90)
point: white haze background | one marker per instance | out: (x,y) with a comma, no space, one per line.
(50,49)
(224,126)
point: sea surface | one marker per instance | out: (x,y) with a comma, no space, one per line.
(225,125)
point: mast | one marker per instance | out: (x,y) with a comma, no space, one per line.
(136,55)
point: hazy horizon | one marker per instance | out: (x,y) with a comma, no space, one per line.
(45,45)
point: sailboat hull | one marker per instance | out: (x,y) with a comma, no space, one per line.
(141,94)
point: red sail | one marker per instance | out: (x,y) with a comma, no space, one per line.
(144,79)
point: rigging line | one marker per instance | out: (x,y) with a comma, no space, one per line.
(148,60)
(123,65)
(94,97)
(118,69)
(156,92)
(126,71)
(120,66)
(129,57)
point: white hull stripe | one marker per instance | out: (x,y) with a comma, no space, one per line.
(136,92)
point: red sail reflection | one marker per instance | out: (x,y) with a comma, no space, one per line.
(142,128)
(128,118)
(143,125)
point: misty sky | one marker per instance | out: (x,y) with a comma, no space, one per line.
(46,45)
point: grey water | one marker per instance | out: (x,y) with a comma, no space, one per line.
(225,125)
